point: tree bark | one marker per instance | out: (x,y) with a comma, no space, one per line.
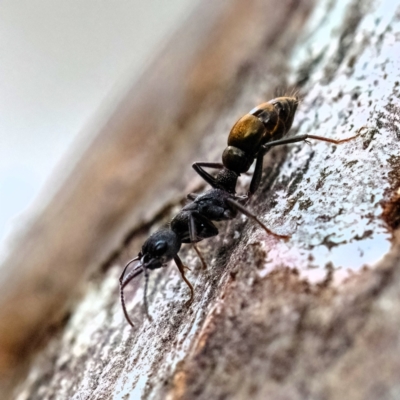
(315,317)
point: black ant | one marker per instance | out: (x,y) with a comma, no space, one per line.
(191,225)
(251,138)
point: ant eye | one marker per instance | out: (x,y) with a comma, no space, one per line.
(160,248)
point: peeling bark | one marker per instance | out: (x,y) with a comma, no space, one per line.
(315,317)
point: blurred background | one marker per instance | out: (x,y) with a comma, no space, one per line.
(59,62)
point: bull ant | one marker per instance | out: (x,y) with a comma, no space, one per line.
(250,139)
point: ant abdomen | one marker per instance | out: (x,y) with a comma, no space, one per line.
(270,120)
(286,109)
(247,133)
(244,140)
(268,115)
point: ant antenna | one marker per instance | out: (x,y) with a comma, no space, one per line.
(123,282)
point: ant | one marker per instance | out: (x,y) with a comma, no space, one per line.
(191,225)
(251,138)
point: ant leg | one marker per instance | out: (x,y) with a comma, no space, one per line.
(256,179)
(198,167)
(203,263)
(192,196)
(249,214)
(301,138)
(181,268)
(193,239)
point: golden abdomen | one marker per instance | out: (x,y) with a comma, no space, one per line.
(247,134)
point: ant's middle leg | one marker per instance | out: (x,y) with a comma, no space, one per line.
(193,239)
(234,204)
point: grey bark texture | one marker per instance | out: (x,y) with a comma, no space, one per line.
(316,317)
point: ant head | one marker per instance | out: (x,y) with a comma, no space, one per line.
(161,247)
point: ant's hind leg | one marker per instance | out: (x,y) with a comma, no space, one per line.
(301,138)
(324,139)
(234,204)
(181,268)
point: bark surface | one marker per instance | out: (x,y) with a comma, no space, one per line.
(315,317)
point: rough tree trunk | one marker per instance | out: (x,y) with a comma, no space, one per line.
(316,317)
